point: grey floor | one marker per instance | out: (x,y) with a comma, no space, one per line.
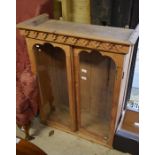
(62,143)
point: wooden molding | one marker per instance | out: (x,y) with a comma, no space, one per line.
(76,41)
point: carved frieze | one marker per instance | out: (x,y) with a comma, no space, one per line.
(76,41)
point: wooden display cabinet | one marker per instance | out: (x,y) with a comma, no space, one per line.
(82,73)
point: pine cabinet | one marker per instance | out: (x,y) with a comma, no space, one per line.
(82,72)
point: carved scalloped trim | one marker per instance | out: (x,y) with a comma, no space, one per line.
(81,42)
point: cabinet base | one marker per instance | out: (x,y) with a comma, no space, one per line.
(81,133)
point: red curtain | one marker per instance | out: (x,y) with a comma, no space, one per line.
(26,9)
(26,87)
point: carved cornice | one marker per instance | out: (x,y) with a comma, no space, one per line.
(76,41)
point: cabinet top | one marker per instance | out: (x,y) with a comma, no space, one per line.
(92,36)
(42,23)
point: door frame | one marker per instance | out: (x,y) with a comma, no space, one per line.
(70,83)
(118,60)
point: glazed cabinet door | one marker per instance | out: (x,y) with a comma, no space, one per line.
(54,72)
(95,81)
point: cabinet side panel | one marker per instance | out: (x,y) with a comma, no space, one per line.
(124,83)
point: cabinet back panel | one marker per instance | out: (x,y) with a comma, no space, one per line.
(51,70)
(97,76)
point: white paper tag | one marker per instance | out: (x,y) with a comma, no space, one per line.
(83,70)
(83,78)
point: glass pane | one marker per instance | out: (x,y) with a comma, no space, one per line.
(133,102)
(51,70)
(96,90)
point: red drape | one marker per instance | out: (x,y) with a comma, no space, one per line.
(25,82)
